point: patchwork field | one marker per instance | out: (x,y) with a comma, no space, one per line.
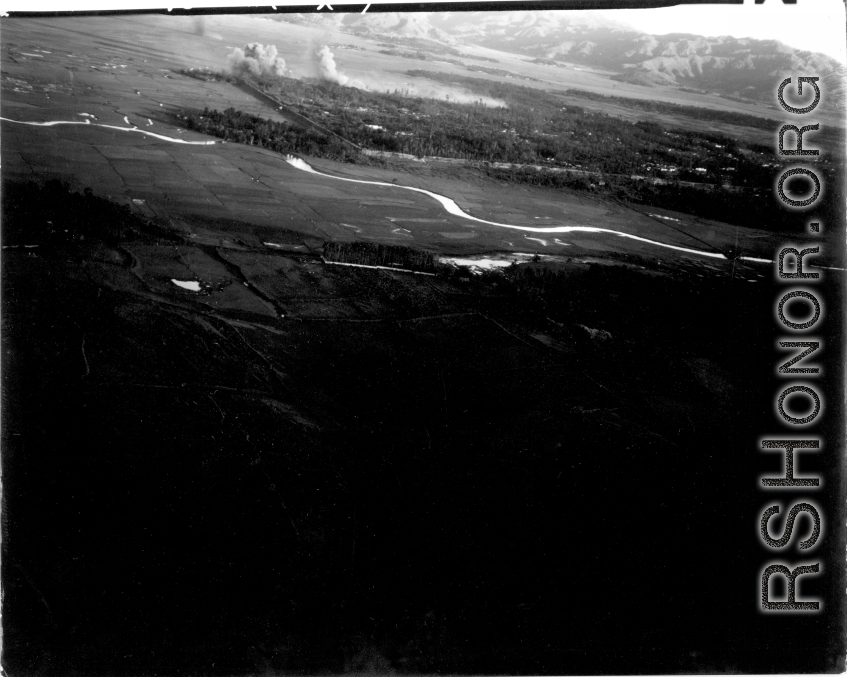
(307,467)
(130,78)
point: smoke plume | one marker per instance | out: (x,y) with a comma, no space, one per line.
(329,71)
(257,60)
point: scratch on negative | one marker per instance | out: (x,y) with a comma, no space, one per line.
(82,347)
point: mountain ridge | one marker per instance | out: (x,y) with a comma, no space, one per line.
(741,67)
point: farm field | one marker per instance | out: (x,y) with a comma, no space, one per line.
(225,454)
(295,466)
(125,77)
(153,45)
(194,185)
(197,187)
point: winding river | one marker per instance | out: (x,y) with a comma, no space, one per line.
(448,204)
(88,123)
(452,208)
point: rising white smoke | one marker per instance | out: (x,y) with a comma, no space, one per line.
(257,60)
(329,71)
(327,67)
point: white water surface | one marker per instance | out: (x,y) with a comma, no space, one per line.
(448,204)
(190,285)
(363,265)
(482,262)
(452,208)
(162,137)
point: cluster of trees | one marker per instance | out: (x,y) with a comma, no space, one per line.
(549,62)
(531,127)
(561,133)
(420,56)
(717,203)
(372,254)
(653,106)
(759,210)
(546,179)
(53,213)
(206,74)
(234,125)
(826,137)
(708,174)
(501,72)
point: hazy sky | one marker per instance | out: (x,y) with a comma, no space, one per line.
(815,25)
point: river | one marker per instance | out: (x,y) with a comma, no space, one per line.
(452,208)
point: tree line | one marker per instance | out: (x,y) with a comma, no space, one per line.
(531,126)
(643,161)
(700,113)
(373,254)
(240,127)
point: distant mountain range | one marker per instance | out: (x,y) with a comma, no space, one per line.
(741,67)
